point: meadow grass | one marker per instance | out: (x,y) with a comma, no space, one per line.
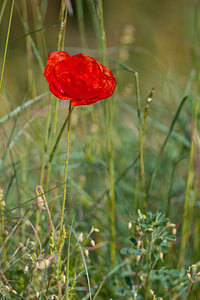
(99,201)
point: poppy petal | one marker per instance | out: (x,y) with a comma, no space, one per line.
(79,78)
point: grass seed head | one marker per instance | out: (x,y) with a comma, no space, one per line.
(1,194)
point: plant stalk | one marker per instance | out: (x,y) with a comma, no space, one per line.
(66,167)
(6,45)
(110,152)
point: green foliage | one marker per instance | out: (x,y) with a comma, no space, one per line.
(147,274)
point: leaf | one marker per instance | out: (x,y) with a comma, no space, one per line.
(122,292)
(128,281)
(171,237)
(133,241)
(130,251)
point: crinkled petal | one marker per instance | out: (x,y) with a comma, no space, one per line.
(52,60)
(79,78)
(57,93)
(76,102)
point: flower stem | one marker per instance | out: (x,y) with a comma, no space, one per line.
(67,266)
(111,197)
(66,166)
(62,229)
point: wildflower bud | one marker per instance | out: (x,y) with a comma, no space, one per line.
(138,258)
(41,199)
(43,264)
(92,242)
(139,243)
(14,292)
(174,231)
(135,295)
(189,276)
(139,214)
(149,99)
(96,230)
(152,292)
(37,294)
(21,245)
(161,255)
(87,253)
(129,225)
(150,229)
(64,278)
(81,237)
(26,269)
(40,204)
(1,193)
(28,255)
(3,203)
(198,274)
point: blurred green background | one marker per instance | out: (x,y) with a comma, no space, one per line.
(159,48)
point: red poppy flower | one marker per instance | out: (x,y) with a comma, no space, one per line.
(78,78)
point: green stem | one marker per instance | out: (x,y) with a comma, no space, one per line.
(188,205)
(148,266)
(51,156)
(81,23)
(190,179)
(2,10)
(46,141)
(111,197)
(53,101)
(67,267)
(189,290)
(6,46)
(62,230)
(2,217)
(66,166)
(60,47)
(157,163)
(141,138)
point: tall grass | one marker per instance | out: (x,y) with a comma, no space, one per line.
(77,185)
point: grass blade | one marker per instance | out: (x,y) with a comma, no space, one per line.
(20,108)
